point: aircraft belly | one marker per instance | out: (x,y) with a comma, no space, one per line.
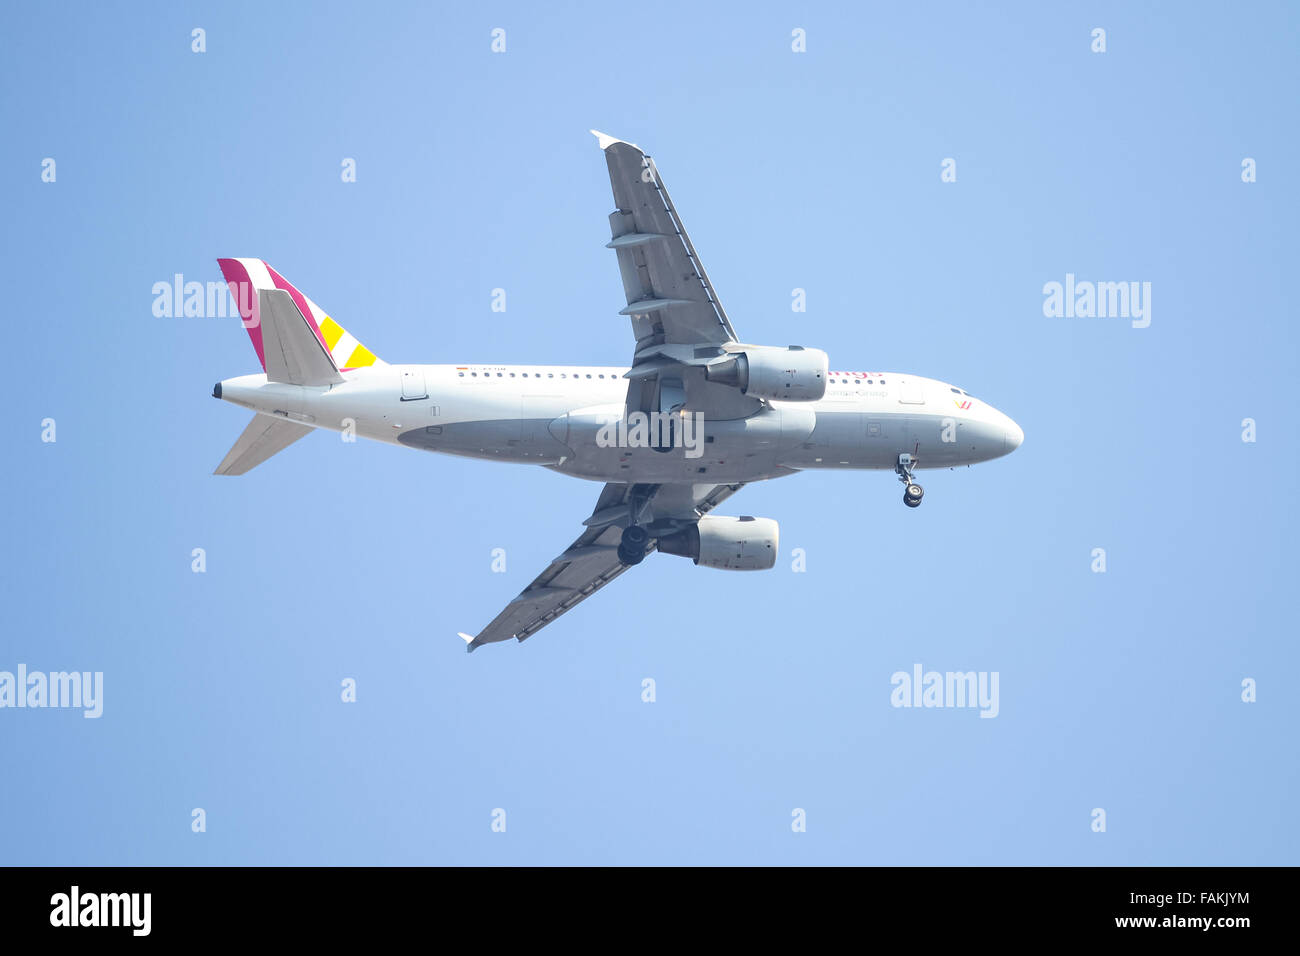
(770,443)
(670,467)
(602,446)
(840,440)
(507,439)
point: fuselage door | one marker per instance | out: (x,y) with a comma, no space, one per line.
(413,384)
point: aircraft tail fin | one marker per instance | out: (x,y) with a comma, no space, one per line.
(248,278)
(263,437)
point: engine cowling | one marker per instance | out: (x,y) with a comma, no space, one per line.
(792,374)
(733,544)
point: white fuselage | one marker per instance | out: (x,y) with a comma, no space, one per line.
(560,417)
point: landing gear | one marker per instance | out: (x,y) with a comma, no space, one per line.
(912,492)
(631,549)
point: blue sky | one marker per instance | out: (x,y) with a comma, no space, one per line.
(816,170)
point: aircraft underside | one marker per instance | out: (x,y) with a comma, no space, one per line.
(729,451)
(695,416)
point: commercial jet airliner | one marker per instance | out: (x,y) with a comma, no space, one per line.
(695,416)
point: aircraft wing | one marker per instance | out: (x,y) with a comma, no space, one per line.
(592,561)
(679,323)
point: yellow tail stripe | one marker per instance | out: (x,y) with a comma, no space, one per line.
(360,357)
(332,332)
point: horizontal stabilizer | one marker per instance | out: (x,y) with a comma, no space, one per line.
(263,437)
(294,354)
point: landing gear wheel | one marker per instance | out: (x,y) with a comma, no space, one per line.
(631,549)
(912,492)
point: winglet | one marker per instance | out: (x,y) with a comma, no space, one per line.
(468,639)
(606,141)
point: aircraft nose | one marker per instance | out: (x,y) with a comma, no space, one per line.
(1013,436)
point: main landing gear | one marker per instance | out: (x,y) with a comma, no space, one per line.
(631,549)
(636,538)
(912,492)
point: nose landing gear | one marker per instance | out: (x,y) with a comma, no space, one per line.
(912,492)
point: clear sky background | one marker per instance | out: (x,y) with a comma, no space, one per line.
(819,171)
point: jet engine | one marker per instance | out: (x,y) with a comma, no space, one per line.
(734,544)
(793,374)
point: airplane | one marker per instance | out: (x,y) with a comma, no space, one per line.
(694,417)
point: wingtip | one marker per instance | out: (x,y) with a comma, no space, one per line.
(469,641)
(606,141)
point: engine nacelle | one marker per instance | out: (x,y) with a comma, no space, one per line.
(734,544)
(793,374)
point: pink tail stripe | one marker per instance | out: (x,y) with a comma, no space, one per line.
(300,301)
(241,287)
